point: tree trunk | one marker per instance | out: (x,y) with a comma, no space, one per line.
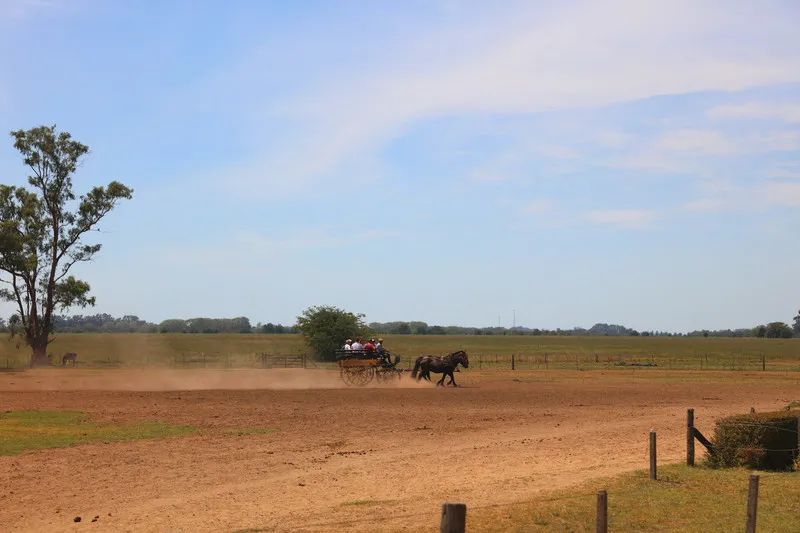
(39,355)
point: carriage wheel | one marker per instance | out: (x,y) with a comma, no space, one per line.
(358,376)
(389,375)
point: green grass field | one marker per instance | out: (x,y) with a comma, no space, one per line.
(36,430)
(237,350)
(683,499)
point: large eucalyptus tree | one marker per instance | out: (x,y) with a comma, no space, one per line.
(42,228)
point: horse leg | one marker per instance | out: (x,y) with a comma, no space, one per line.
(453,379)
(441,381)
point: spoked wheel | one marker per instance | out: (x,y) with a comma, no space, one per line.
(358,376)
(389,375)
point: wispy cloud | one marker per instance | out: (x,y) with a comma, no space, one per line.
(627,218)
(18,9)
(538,207)
(696,142)
(727,197)
(783,193)
(788,112)
(251,251)
(531,61)
(687,151)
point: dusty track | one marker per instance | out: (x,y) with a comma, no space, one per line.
(362,459)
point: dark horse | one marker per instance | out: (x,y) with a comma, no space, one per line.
(446,365)
(69,356)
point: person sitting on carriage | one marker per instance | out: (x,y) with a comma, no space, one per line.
(369,346)
(347,345)
(357,346)
(383,354)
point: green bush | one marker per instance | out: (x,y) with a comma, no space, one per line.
(762,441)
(325,328)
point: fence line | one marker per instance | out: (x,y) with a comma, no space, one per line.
(581,360)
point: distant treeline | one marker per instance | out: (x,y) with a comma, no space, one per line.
(105,323)
(771,330)
(422,328)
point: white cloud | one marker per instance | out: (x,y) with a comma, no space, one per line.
(693,141)
(789,169)
(535,59)
(726,197)
(788,112)
(629,218)
(613,138)
(777,141)
(685,150)
(783,193)
(538,207)
(14,10)
(708,205)
(251,251)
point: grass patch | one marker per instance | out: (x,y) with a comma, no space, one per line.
(367,502)
(684,499)
(36,430)
(485,351)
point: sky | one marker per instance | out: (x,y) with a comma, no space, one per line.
(560,163)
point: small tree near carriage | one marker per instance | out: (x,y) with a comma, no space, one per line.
(325,328)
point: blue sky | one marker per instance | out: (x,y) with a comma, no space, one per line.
(578,162)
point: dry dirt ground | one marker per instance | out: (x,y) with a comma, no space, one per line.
(339,458)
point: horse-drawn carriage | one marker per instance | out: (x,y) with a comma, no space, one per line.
(358,368)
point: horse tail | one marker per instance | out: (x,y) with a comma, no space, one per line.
(417,364)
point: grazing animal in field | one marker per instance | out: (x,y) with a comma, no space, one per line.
(446,365)
(69,356)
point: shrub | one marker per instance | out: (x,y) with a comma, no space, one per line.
(763,441)
(325,329)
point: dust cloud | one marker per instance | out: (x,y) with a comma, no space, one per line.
(160,379)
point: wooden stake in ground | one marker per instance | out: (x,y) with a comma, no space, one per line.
(752,504)
(690,437)
(653,475)
(454,518)
(602,511)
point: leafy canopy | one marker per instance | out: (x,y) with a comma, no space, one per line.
(325,328)
(42,229)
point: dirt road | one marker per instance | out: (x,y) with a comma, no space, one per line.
(356,459)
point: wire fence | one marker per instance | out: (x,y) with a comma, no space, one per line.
(580,361)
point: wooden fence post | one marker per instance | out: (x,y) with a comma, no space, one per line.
(602,511)
(752,504)
(653,475)
(454,518)
(690,437)
(513,362)
(763,362)
(545,361)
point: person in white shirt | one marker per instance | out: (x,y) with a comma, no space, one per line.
(347,345)
(357,346)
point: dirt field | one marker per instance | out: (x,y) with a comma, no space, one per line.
(356,459)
